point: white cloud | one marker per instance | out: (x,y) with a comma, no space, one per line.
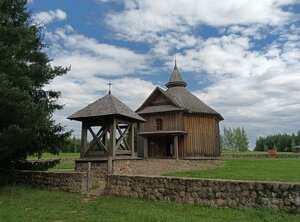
(88,57)
(49,16)
(141,20)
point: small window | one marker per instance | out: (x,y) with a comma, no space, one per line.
(159,124)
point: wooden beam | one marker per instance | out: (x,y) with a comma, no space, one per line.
(176,147)
(112,150)
(145,147)
(131,139)
(109,165)
(98,141)
(122,136)
(83,139)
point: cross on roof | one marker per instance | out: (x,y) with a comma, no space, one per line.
(109,87)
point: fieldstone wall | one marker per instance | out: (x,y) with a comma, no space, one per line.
(65,181)
(97,169)
(222,193)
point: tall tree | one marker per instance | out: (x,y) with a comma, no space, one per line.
(26,108)
(235,139)
(241,139)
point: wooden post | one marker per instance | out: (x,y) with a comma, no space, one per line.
(112,150)
(109,165)
(83,139)
(176,147)
(145,147)
(131,139)
(89,176)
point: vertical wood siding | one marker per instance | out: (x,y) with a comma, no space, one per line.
(170,122)
(202,138)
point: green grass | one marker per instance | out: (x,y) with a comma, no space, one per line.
(251,152)
(49,156)
(25,204)
(263,169)
(66,166)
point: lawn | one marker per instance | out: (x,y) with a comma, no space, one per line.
(263,169)
(26,204)
(49,156)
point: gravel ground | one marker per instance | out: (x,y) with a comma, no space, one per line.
(156,167)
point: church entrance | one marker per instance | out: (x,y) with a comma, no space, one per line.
(160,146)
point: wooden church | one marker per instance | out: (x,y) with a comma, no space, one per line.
(178,124)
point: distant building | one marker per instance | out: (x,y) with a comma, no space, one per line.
(178,124)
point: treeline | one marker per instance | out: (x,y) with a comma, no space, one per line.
(280,142)
(72,146)
(234,139)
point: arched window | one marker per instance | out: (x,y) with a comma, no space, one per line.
(159,124)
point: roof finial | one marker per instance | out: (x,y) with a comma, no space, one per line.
(175,58)
(109,87)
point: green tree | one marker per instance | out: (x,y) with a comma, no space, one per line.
(26,108)
(241,139)
(235,139)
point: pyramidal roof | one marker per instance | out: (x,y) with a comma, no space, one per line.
(176,79)
(105,106)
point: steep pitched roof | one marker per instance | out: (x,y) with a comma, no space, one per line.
(179,99)
(191,103)
(105,106)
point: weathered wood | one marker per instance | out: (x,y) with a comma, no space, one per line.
(176,156)
(200,141)
(83,146)
(170,122)
(98,140)
(122,136)
(145,147)
(112,150)
(109,165)
(131,139)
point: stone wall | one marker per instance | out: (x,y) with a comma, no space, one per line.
(64,181)
(97,169)
(222,193)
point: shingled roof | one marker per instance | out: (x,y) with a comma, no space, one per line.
(105,106)
(180,98)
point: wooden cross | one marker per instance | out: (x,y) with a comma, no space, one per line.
(109,87)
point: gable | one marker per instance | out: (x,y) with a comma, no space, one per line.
(158,101)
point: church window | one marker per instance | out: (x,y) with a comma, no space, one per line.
(159,124)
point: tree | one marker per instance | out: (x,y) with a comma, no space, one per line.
(279,142)
(235,139)
(26,108)
(242,141)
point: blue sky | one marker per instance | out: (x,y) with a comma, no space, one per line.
(241,57)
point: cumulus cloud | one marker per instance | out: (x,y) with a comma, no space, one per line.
(149,17)
(93,65)
(88,57)
(49,16)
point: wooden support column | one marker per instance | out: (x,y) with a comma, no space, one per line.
(112,150)
(176,147)
(83,146)
(145,147)
(131,139)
